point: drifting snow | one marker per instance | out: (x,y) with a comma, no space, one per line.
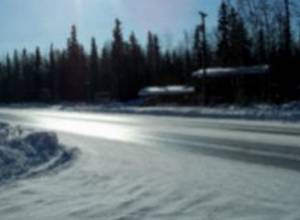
(24,155)
(169,168)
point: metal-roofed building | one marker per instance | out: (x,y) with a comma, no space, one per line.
(167,94)
(232,84)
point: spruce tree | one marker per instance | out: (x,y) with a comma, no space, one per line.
(153,59)
(136,70)
(2,82)
(260,48)
(38,76)
(118,61)
(94,70)
(106,81)
(223,36)
(10,79)
(150,59)
(77,85)
(54,76)
(16,83)
(26,82)
(239,42)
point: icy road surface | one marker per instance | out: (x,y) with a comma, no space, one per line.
(145,167)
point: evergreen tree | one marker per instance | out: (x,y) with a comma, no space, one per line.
(63,74)
(188,66)
(136,63)
(2,82)
(239,42)
(106,77)
(157,59)
(153,59)
(9,79)
(125,67)
(94,69)
(25,80)
(76,84)
(234,46)
(166,68)
(223,36)
(118,61)
(16,85)
(150,59)
(260,48)
(37,75)
(54,76)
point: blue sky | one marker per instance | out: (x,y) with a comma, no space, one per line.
(31,23)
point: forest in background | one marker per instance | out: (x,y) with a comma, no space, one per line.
(249,32)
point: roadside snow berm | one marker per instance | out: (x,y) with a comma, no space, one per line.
(24,155)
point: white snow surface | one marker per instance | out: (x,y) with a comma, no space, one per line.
(166,90)
(26,154)
(221,71)
(284,112)
(141,167)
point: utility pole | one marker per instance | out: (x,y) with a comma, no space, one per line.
(204,54)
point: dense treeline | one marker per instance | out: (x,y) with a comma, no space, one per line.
(118,71)
(249,32)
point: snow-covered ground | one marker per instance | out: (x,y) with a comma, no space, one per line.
(141,167)
(284,112)
(24,153)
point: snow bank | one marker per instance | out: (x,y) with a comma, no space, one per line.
(24,155)
(286,112)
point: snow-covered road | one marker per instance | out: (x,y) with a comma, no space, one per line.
(145,167)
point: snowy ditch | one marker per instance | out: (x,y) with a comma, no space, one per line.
(26,154)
